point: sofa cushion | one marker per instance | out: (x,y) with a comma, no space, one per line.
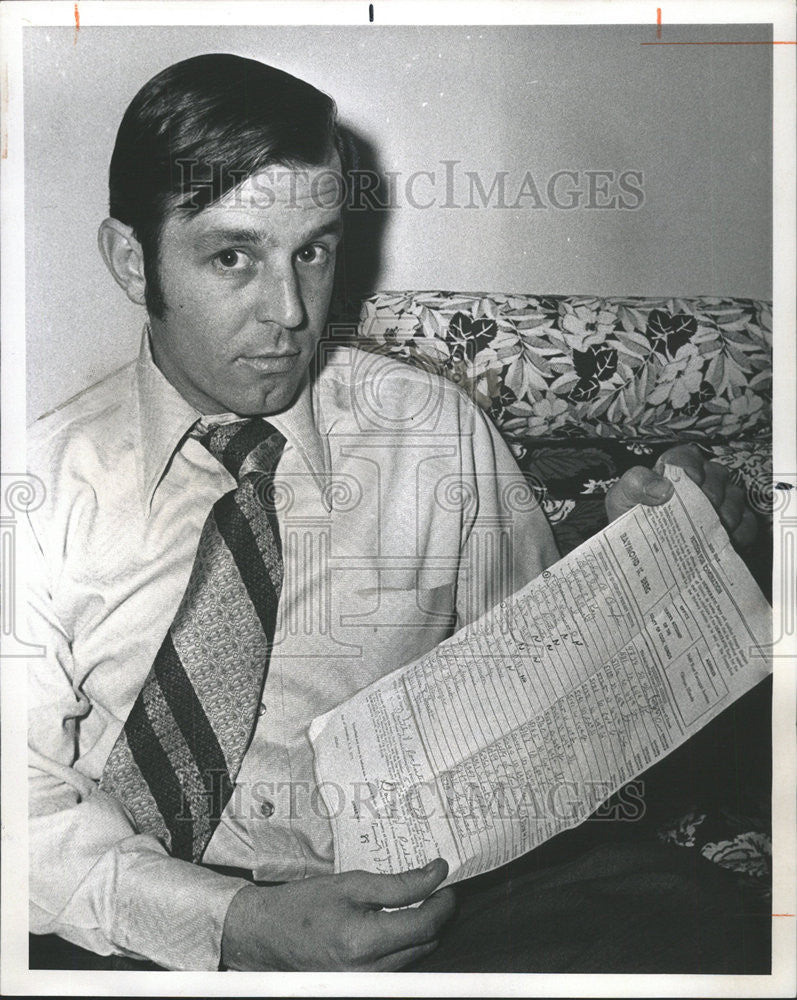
(662,369)
(571,477)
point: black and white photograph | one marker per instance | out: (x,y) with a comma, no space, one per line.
(399,498)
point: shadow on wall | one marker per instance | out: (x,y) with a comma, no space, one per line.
(364,226)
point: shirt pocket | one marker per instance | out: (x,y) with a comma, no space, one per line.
(399,607)
(396,614)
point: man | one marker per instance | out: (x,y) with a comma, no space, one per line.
(241,529)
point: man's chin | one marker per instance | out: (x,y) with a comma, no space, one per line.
(265,403)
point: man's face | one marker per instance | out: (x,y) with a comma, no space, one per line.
(247,283)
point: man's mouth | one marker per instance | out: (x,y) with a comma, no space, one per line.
(271,364)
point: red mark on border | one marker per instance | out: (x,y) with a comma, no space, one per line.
(718,43)
(782,914)
(77,24)
(659,42)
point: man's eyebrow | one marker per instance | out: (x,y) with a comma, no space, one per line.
(232,237)
(214,237)
(332,228)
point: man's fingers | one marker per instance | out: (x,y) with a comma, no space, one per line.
(715,483)
(390,963)
(713,478)
(413,932)
(687,457)
(381,933)
(397,890)
(732,508)
(737,518)
(648,486)
(417,925)
(746,533)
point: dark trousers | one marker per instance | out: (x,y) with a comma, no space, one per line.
(619,907)
(642,908)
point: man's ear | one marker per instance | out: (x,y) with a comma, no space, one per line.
(124,258)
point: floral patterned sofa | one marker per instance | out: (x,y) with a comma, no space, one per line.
(583,388)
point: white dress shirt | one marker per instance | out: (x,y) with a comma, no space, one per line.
(402,516)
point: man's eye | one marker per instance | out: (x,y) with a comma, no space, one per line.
(231,260)
(313,254)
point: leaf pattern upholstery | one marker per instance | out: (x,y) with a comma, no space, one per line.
(662,369)
(609,382)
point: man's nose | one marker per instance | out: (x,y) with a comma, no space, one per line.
(280,299)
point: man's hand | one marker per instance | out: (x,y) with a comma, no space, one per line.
(641,485)
(336,922)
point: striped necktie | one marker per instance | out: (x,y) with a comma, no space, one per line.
(175,762)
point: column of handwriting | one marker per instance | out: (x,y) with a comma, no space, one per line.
(512,768)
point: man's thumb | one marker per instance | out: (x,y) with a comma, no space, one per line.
(638,485)
(408,887)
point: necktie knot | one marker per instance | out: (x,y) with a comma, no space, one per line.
(244,445)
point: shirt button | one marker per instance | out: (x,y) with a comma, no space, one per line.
(267,809)
(261,709)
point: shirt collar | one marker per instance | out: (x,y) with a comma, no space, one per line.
(165,418)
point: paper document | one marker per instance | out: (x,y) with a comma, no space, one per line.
(521,724)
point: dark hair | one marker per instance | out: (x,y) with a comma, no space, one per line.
(201,127)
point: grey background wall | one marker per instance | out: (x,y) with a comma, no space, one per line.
(695,120)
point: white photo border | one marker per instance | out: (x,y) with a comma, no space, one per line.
(15,977)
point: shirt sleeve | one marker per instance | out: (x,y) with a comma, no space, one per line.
(93,879)
(508,541)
